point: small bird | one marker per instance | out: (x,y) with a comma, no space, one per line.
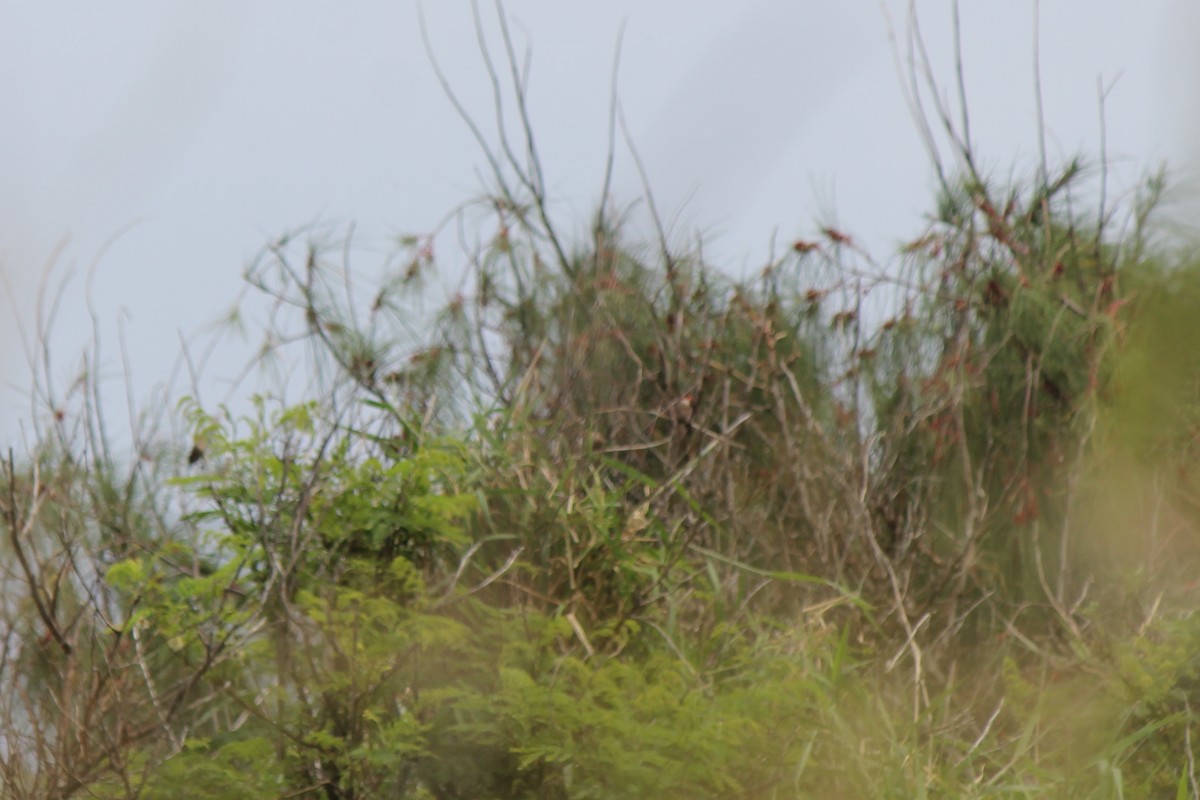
(685,409)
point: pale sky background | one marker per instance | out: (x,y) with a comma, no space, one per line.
(198,131)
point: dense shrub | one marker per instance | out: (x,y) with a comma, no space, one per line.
(615,524)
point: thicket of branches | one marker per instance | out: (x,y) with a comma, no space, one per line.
(613,524)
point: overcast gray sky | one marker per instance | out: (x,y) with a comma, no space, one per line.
(194,132)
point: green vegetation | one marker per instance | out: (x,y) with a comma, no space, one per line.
(614,525)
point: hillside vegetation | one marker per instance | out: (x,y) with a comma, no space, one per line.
(612,524)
